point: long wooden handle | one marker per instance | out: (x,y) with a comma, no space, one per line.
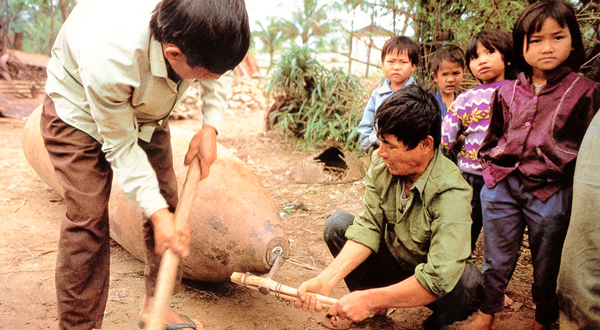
(276,289)
(167,273)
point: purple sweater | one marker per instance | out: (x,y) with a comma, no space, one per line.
(469,115)
(539,135)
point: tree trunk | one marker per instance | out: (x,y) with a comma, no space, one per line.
(18,41)
(5,25)
(351,41)
(64,9)
(369,55)
(51,39)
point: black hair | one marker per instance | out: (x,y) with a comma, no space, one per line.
(531,20)
(410,114)
(493,40)
(401,44)
(212,34)
(450,53)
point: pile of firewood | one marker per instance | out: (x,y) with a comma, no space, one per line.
(246,95)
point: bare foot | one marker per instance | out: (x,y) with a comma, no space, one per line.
(507,301)
(335,322)
(172,316)
(481,322)
(537,326)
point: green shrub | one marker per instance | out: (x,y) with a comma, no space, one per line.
(313,103)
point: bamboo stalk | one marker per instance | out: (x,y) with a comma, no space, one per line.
(268,286)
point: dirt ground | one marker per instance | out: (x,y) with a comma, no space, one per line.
(30,214)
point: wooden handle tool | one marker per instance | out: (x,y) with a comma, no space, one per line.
(268,286)
(169,263)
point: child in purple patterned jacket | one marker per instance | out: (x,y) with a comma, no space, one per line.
(488,57)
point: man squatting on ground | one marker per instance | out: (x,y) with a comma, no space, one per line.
(407,248)
(111,88)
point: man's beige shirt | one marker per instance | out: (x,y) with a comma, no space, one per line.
(108,77)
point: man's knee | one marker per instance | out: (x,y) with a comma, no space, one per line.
(334,231)
(472,283)
(462,301)
(337,223)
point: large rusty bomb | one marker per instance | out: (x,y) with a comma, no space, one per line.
(235,224)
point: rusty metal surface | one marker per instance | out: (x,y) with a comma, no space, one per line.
(235,224)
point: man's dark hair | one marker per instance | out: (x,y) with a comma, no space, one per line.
(401,44)
(212,34)
(450,53)
(410,114)
(493,39)
(531,20)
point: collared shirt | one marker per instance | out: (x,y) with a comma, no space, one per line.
(366,127)
(469,115)
(111,81)
(429,233)
(539,135)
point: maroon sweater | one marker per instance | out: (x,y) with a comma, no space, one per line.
(539,135)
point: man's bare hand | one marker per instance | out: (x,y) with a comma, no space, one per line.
(306,294)
(165,235)
(352,306)
(204,146)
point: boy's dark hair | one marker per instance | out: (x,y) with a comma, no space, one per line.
(212,34)
(494,39)
(410,114)
(450,53)
(401,44)
(531,20)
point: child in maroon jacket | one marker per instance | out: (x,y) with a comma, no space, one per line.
(529,154)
